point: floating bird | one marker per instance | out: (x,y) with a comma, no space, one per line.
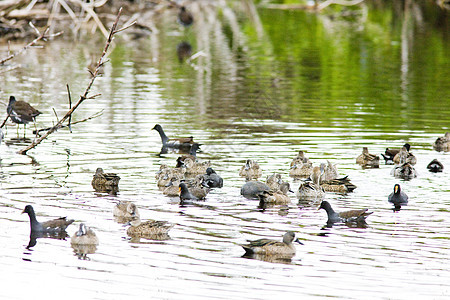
(177,143)
(84,236)
(368,160)
(405,171)
(357,215)
(212,179)
(404,156)
(329,172)
(278,197)
(274,181)
(398,197)
(190,162)
(252,188)
(272,247)
(125,210)
(442,143)
(435,166)
(300,166)
(21,112)
(389,155)
(185,194)
(53,226)
(148,228)
(250,170)
(185,18)
(311,189)
(105,182)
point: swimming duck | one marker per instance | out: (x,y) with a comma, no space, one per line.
(212,179)
(170,172)
(405,171)
(300,158)
(250,170)
(190,163)
(312,188)
(389,155)
(186,195)
(274,181)
(278,197)
(21,112)
(442,143)
(338,185)
(329,172)
(368,160)
(435,166)
(84,236)
(148,228)
(252,188)
(172,189)
(102,179)
(398,197)
(272,247)
(52,226)
(177,143)
(126,210)
(185,18)
(404,156)
(357,215)
(300,166)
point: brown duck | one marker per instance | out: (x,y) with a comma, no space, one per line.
(272,247)
(368,160)
(53,226)
(148,228)
(104,179)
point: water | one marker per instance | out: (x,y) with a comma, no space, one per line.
(328,89)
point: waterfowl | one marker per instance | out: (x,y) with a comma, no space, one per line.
(185,193)
(172,189)
(125,209)
(278,197)
(300,158)
(311,188)
(102,179)
(177,143)
(190,163)
(21,112)
(300,166)
(211,179)
(405,171)
(404,156)
(250,170)
(274,181)
(52,226)
(148,228)
(329,172)
(338,185)
(166,171)
(357,215)
(442,143)
(368,160)
(398,197)
(389,155)
(252,188)
(435,166)
(185,18)
(84,236)
(269,247)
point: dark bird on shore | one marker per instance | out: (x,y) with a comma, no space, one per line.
(53,226)
(435,166)
(21,112)
(272,247)
(398,197)
(185,17)
(177,143)
(356,215)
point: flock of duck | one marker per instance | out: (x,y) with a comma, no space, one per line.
(191,180)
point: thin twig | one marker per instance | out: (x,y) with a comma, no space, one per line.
(4,122)
(70,106)
(84,96)
(96,115)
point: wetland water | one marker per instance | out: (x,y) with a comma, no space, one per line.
(263,90)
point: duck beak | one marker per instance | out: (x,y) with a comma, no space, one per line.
(298,241)
(23,211)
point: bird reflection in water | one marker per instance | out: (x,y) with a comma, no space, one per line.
(81,251)
(273,258)
(184,51)
(34,235)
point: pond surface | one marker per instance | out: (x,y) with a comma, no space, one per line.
(260,89)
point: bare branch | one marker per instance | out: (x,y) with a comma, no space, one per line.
(125,27)
(84,96)
(96,115)
(70,107)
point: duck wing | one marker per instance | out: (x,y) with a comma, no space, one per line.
(59,224)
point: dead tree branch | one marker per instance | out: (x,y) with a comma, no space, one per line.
(42,36)
(84,96)
(96,115)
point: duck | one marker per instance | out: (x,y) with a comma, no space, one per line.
(191,164)
(405,171)
(252,188)
(368,160)
(166,171)
(84,236)
(250,170)
(300,166)
(211,179)
(442,143)
(101,178)
(357,215)
(272,247)
(300,158)
(404,156)
(21,112)
(185,17)
(274,181)
(172,189)
(329,172)
(177,143)
(148,228)
(435,166)
(311,188)
(186,195)
(126,209)
(398,197)
(53,226)
(338,185)
(278,197)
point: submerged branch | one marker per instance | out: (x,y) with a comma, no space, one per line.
(84,96)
